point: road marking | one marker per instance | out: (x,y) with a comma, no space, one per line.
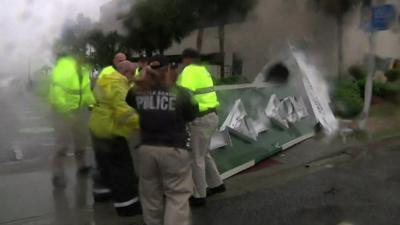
(36,130)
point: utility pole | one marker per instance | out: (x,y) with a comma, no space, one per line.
(382,18)
(370,80)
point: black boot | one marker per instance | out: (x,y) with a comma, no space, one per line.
(102,197)
(197,202)
(216,190)
(130,210)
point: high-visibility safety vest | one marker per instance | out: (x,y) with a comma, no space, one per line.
(112,116)
(106,71)
(197,78)
(70,86)
(137,73)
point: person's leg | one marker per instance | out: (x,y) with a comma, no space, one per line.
(205,172)
(175,166)
(213,177)
(150,186)
(134,141)
(123,181)
(101,180)
(199,151)
(79,133)
(61,142)
(59,178)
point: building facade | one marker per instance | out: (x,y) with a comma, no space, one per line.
(275,23)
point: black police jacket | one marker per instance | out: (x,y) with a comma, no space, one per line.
(164,115)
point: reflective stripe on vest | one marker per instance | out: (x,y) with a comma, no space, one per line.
(137,73)
(199,81)
(70,90)
(206,90)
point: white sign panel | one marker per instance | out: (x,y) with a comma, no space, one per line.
(317,93)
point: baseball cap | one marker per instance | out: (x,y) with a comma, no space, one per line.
(158,61)
(190,53)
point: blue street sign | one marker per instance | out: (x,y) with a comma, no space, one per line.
(383,16)
(366,19)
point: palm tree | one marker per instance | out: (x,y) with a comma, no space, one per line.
(338,9)
(219,13)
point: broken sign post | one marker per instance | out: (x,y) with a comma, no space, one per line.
(383,16)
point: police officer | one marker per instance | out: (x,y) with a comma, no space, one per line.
(111,122)
(165,177)
(70,95)
(119,57)
(205,173)
(142,63)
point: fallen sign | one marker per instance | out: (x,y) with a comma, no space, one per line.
(237,123)
(248,133)
(282,113)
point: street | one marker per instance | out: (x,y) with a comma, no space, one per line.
(361,190)
(313,183)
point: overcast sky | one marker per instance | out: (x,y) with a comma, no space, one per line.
(28,28)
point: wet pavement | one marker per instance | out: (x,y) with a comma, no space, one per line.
(26,126)
(313,183)
(359,188)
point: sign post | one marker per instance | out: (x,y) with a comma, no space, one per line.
(383,16)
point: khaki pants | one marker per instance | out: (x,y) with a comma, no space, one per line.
(205,172)
(133,141)
(165,184)
(69,129)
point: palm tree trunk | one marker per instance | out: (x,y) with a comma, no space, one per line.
(340,45)
(221,39)
(199,41)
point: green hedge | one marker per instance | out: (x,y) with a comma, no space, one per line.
(392,75)
(392,92)
(378,89)
(347,102)
(385,90)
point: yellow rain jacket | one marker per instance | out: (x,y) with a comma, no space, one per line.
(111,116)
(70,89)
(106,72)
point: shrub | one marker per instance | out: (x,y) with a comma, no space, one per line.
(347,99)
(392,75)
(377,90)
(358,72)
(391,91)
(361,85)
